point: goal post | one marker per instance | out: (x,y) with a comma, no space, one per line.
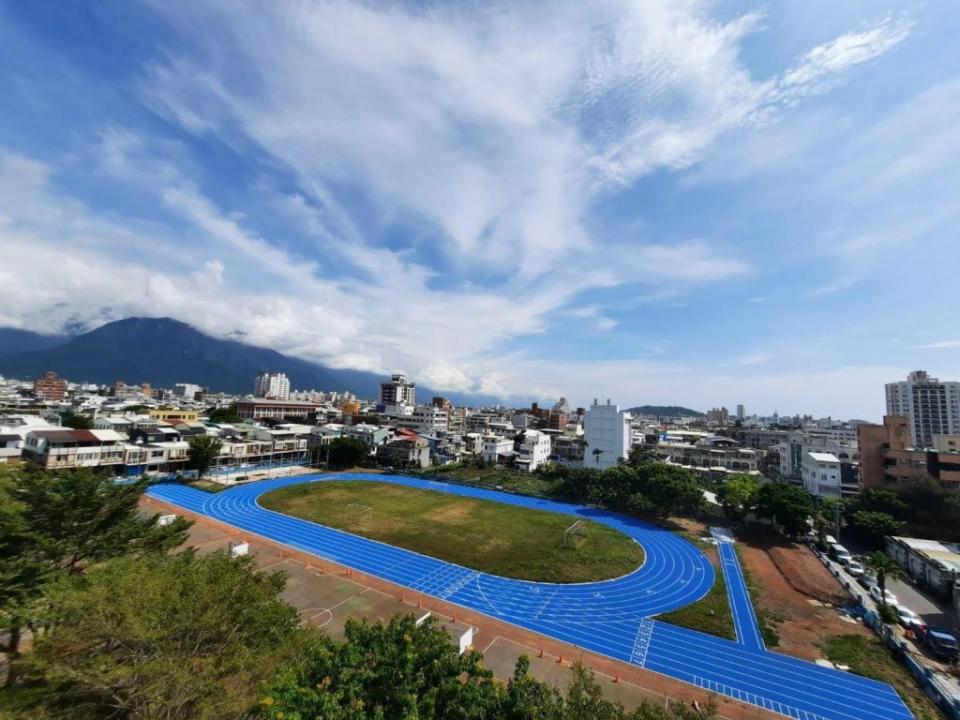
(359,514)
(574,535)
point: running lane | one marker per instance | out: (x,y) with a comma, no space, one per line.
(744,619)
(611,617)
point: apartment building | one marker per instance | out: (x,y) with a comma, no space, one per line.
(275,386)
(398,391)
(533,450)
(265,409)
(50,387)
(888,457)
(607,434)
(930,406)
(63,448)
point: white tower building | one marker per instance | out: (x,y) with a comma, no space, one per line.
(272,385)
(606,430)
(932,407)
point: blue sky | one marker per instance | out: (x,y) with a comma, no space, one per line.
(674,201)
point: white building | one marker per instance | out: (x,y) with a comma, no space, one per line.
(187,390)
(275,386)
(534,450)
(427,419)
(606,430)
(495,447)
(821,474)
(398,391)
(931,407)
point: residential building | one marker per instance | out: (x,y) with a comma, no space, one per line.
(533,449)
(933,565)
(372,435)
(821,474)
(405,452)
(173,415)
(275,386)
(188,391)
(567,450)
(50,387)
(64,448)
(262,408)
(718,416)
(794,447)
(607,434)
(709,456)
(889,459)
(398,391)
(425,419)
(930,406)
(497,448)
(741,412)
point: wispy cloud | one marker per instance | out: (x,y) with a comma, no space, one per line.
(939,345)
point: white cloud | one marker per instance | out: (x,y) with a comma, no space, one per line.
(939,345)
(824,63)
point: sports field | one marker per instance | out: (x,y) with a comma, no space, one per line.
(492,537)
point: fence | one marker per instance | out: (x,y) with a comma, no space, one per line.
(933,685)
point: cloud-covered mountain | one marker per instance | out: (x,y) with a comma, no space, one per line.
(163,352)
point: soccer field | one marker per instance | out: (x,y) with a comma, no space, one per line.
(492,537)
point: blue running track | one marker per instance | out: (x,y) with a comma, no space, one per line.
(611,617)
(744,619)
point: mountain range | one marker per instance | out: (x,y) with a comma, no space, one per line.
(664,411)
(163,352)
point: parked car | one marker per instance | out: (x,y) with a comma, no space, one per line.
(939,641)
(867,580)
(908,618)
(839,553)
(886,595)
(855,568)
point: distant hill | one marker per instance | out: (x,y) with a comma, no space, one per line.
(13,340)
(664,411)
(163,352)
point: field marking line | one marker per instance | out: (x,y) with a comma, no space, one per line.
(334,607)
(490,644)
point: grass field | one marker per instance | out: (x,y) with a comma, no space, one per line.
(487,536)
(710,614)
(868,657)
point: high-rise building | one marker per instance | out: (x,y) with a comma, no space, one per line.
(930,406)
(50,387)
(398,391)
(275,386)
(606,431)
(741,412)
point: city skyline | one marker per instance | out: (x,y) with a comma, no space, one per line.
(515,200)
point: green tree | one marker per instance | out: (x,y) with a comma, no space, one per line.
(671,490)
(162,636)
(397,670)
(738,496)
(880,500)
(76,517)
(789,506)
(203,452)
(224,415)
(348,452)
(22,569)
(873,526)
(76,421)
(640,454)
(885,567)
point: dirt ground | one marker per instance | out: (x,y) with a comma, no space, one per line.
(798,591)
(328,594)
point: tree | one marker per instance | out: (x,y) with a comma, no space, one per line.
(640,454)
(597,452)
(162,636)
(402,670)
(224,415)
(397,670)
(76,421)
(203,452)
(671,490)
(22,570)
(738,496)
(788,506)
(880,500)
(885,567)
(873,526)
(80,516)
(348,452)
